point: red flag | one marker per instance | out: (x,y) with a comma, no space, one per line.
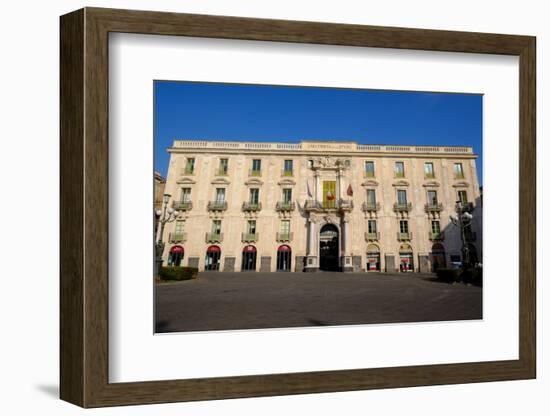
(350,190)
(330,196)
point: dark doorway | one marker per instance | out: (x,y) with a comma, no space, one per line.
(284,258)
(249,259)
(213,256)
(175,257)
(328,248)
(438,257)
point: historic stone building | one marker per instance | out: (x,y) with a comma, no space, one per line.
(319,205)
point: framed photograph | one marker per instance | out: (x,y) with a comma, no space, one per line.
(255,207)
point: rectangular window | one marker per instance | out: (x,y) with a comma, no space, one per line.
(436,229)
(251,227)
(399,169)
(180,226)
(371,197)
(285,227)
(404,226)
(429,170)
(224,164)
(190,165)
(216,226)
(459,173)
(220,194)
(256,166)
(462,197)
(401,197)
(287,195)
(288,167)
(372,226)
(254,196)
(369,169)
(185,194)
(432,197)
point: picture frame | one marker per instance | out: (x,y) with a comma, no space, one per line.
(84,170)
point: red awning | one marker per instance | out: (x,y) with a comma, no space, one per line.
(213,249)
(249,249)
(176,250)
(283,248)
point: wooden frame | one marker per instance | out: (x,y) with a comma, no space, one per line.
(84,207)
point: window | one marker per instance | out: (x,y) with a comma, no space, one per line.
(254,195)
(404,226)
(190,165)
(371,197)
(288,167)
(436,228)
(285,227)
(459,173)
(347,163)
(369,169)
(432,197)
(399,170)
(287,195)
(371,226)
(180,226)
(251,227)
(216,226)
(224,164)
(462,197)
(256,166)
(310,163)
(401,197)
(429,170)
(220,194)
(185,194)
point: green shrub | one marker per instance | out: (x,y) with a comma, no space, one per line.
(178,273)
(448,275)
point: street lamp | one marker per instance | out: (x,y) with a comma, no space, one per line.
(463,220)
(165,215)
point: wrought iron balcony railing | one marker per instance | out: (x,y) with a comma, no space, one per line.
(217,205)
(188,170)
(371,206)
(214,237)
(440,236)
(368,174)
(399,207)
(250,237)
(433,207)
(404,236)
(284,237)
(287,172)
(221,172)
(182,205)
(254,172)
(252,206)
(177,237)
(372,236)
(284,206)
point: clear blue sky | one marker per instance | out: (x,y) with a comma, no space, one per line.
(242,112)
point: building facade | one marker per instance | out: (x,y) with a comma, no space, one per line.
(318,205)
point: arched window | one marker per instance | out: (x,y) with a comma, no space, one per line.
(438,259)
(213,256)
(284,258)
(175,257)
(249,259)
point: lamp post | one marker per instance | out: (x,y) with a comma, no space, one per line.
(463,220)
(165,215)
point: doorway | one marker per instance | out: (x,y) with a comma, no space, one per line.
(329,248)
(213,256)
(249,259)
(284,258)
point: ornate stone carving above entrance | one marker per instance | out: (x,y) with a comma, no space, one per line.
(329,162)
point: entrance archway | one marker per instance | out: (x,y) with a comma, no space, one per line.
(438,257)
(373,258)
(406,258)
(284,258)
(213,256)
(249,259)
(329,248)
(175,257)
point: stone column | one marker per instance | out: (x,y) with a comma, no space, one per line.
(312,263)
(346,262)
(315,180)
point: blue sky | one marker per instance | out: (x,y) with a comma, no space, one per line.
(242,112)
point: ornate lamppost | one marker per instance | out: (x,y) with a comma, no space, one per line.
(165,215)
(463,220)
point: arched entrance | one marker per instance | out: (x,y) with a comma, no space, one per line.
(284,258)
(406,258)
(438,257)
(329,248)
(373,258)
(249,259)
(213,256)
(175,257)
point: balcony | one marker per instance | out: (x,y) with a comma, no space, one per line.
(252,206)
(440,236)
(217,205)
(250,237)
(284,237)
(221,172)
(214,237)
(188,170)
(404,236)
(398,207)
(433,207)
(470,236)
(177,237)
(372,236)
(255,172)
(287,173)
(371,206)
(368,174)
(182,205)
(318,206)
(284,206)
(465,206)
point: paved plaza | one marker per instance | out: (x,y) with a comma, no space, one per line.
(246,300)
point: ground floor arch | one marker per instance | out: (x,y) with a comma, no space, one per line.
(175,256)
(406,259)
(438,257)
(329,248)
(373,258)
(213,258)
(284,258)
(249,258)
